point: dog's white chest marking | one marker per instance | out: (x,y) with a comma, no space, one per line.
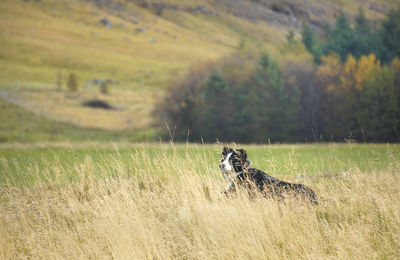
(226,165)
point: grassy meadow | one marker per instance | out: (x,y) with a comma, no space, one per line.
(41,40)
(85,183)
(166,201)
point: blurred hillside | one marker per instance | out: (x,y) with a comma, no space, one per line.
(140,44)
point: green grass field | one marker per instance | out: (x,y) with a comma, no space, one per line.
(279,160)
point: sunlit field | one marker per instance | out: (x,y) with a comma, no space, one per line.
(166,201)
(91,92)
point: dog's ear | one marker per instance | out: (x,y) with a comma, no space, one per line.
(243,155)
(226,150)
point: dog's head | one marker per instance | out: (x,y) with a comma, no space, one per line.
(233,162)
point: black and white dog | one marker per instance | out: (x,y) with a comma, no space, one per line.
(236,168)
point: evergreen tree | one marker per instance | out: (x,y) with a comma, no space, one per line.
(390,35)
(216,100)
(310,41)
(362,23)
(276,108)
(364,38)
(215,88)
(341,40)
(241,112)
(308,37)
(186,120)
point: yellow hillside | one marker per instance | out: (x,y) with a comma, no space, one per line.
(141,44)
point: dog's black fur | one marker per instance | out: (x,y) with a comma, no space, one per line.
(243,175)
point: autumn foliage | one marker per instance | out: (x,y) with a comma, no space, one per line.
(243,99)
(360,99)
(349,91)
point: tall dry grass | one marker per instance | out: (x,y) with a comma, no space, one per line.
(181,213)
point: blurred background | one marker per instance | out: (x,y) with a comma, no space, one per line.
(248,71)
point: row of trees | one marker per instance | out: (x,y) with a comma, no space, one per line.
(345,92)
(246,101)
(358,40)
